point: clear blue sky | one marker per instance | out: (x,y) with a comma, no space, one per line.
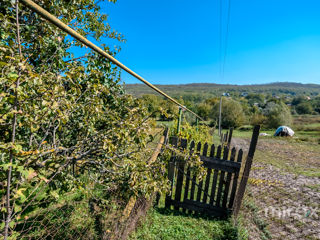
(177,41)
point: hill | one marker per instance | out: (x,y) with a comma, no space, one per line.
(207,90)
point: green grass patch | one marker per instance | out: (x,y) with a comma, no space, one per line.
(315,187)
(286,166)
(165,224)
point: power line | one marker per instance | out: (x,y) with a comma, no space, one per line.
(226,39)
(220,37)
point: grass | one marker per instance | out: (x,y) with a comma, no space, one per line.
(166,224)
(315,187)
(286,165)
(251,211)
(291,155)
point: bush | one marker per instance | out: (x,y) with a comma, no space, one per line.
(258,119)
(203,110)
(304,108)
(232,113)
(277,114)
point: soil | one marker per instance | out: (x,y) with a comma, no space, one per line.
(282,203)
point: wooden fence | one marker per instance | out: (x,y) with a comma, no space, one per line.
(226,138)
(215,194)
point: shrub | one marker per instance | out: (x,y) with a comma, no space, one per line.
(59,119)
(277,114)
(258,119)
(203,110)
(232,113)
(304,108)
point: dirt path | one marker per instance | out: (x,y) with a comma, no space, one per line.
(283,197)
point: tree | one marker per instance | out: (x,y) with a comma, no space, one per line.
(232,113)
(316,104)
(304,108)
(297,100)
(277,114)
(152,102)
(204,110)
(56,113)
(255,98)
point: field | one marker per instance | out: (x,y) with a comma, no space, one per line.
(282,199)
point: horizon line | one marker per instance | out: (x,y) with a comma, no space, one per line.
(227,84)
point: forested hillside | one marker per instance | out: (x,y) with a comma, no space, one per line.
(269,105)
(200,91)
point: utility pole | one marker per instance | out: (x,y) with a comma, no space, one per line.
(220,107)
(179,120)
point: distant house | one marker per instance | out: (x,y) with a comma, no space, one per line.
(244,94)
(226,94)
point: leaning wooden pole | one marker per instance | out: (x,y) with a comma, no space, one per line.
(132,201)
(179,121)
(54,20)
(220,109)
(246,171)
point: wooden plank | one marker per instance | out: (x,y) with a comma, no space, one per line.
(159,147)
(202,208)
(221,180)
(215,178)
(200,191)
(206,188)
(228,180)
(246,171)
(180,174)
(230,137)
(171,167)
(235,181)
(222,165)
(226,137)
(132,200)
(188,176)
(186,191)
(194,177)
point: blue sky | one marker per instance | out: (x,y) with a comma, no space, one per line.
(177,41)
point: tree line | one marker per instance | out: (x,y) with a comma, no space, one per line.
(268,110)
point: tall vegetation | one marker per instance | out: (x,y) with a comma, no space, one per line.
(232,114)
(57,111)
(277,114)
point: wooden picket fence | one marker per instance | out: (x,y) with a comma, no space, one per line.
(219,193)
(226,138)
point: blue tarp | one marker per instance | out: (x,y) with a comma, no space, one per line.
(284,131)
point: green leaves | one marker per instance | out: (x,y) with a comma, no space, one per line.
(71,118)
(13,76)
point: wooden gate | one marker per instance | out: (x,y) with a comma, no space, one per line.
(215,194)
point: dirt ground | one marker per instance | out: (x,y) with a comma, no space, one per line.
(283,196)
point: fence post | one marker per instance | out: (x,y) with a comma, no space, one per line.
(246,171)
(220,106)
(230,137)
(179,120)
(197,123)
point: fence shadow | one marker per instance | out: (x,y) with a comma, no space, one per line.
(172,212)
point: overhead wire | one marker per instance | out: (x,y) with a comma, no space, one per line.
(220,37)
(226,39)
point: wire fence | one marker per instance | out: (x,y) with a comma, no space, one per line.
(74,202)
